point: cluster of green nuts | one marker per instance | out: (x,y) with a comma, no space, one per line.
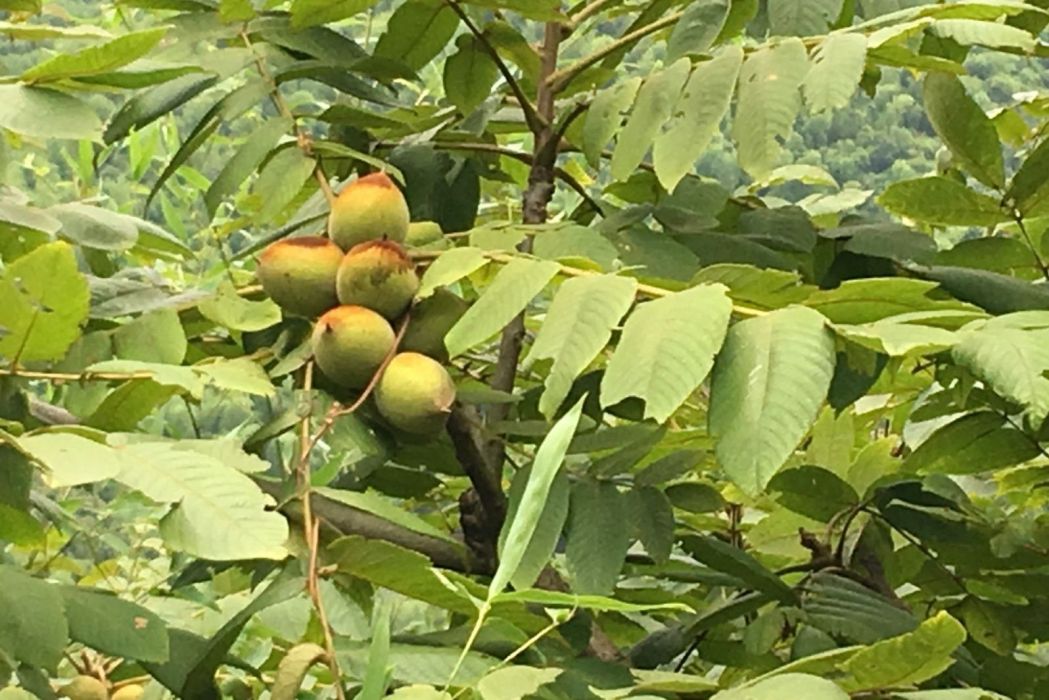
(358,283)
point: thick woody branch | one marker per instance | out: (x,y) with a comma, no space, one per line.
(540,190)
(339,520)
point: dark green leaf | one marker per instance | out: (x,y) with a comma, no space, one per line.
(943,201)
(148,106)
(46,113)
(964,127)
(417,32)
(723,557)
(596,540)
(813,492)
(469,74)
(306,13)
(113,626)
(32,619)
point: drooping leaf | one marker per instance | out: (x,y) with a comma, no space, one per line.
(605,117)
(977,442)
(245,161)
(813,491)
(548,460)
(377,674)
(450,267)
(218,512)
(909,659)
(417,31)
(654,518)
(786,685)
(45,301)
(307,13)
(1029,189)
(225,110)
(769,382)
(96,59)
(33,626)
(1012,362)
(596,542)
(114,626)
(847,609)
(293,669)
(72,459)
(802,17)
(973,32)
(547,531)
(95,227)
(704,103)
(731,560)
(836,71)
(943,201)
(576,329)
(230,310)
(544,10)
(145,107)
(510,292)
(469,74)
(697,29)
(963,126)
(667,350)
(769,100)
(46,113)
(281,180)
(654,106)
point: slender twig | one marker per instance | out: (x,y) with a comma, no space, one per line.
(311,529)
(559,79)
(74,377)
(301,137)
(1018,218)
(589,11)
(533,119)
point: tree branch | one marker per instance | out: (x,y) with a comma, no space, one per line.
(536,198)
(561,78)
(340,520)
(533,119)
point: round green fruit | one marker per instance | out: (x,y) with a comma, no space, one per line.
(431,320)
(350,344)
(369,208)
(85,688)
(378,275)
(422,233)
(299,274)
(129,692)
(415,394)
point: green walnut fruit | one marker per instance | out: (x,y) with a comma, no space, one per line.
(415,394)
(422,233)
(85,688)
(369,208)
(129,692)
(378,275)
(350,343)
(431,320)
(299,274)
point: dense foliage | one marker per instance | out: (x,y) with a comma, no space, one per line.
(752,367)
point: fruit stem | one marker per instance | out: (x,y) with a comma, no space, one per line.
(311,530)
